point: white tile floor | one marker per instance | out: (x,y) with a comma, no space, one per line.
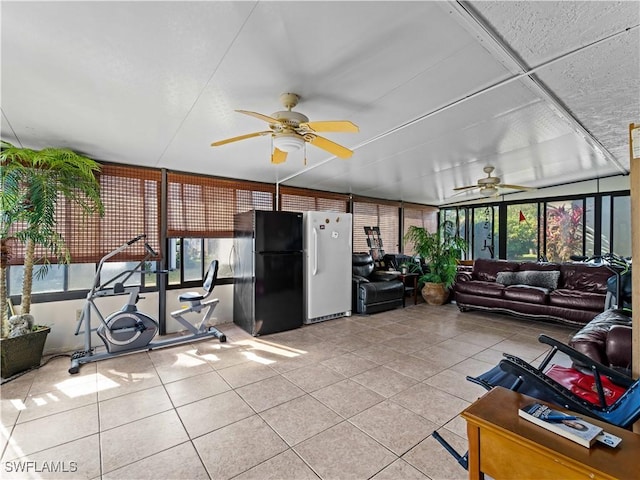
(351,398)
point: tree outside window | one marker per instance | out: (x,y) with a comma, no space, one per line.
(522,232)
(564,232)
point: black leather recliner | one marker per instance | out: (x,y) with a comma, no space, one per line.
(374,291)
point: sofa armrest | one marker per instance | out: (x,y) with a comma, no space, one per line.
(462,276)
(618,347)
(359,279)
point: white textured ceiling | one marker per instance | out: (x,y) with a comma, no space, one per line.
(543,91)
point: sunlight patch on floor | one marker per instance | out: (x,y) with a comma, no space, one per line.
(78,386)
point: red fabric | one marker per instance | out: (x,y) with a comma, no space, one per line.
(584,385)
(522,217)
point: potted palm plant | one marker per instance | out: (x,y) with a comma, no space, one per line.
(441,251)
(32,183)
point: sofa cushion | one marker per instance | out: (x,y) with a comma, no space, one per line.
(583,277)
(533,278)
(384,276)
(478,287)
(487,270)
(539,266)
(577,299)
(524,293)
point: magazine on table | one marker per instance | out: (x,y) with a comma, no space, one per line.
(566,425)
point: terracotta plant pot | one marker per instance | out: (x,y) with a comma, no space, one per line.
(435,293)
(23,352)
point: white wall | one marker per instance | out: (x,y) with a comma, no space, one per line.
(61,316)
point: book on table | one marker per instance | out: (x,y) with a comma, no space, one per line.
(566,425)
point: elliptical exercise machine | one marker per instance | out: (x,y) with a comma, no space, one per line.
(129,330)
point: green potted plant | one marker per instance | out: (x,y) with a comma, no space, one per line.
(441,251)
(32,183)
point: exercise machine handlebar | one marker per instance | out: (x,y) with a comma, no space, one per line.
(134,240)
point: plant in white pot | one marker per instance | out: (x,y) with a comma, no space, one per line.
(441,251)
(32,184)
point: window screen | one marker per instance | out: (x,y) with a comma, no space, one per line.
(418,216)
(200,206)
(302,200)
(371,213)
(131,198)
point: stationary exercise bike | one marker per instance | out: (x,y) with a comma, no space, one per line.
(129,330)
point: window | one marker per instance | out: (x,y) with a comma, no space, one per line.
(133,190)
(302,200)
(522,231)
(418,216)
(485,232)
(564,230)
(370,213)
(203,207)
(198,254)
(200,215)
(621,232)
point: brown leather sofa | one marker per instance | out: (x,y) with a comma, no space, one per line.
(607,340)
(571,293)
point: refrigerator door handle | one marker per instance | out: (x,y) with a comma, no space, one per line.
(315,251)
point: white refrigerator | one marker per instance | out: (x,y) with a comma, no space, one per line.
(326,265)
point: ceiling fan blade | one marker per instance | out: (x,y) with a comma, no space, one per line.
(278,156)
(329,146)
(266,118)
(515,187)
(331,126)
(467,187)
(241,137)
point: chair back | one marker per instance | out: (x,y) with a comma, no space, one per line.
(210,278)
(362,264)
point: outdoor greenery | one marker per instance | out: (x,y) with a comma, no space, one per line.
(564,232)
(522,232)
(33,182)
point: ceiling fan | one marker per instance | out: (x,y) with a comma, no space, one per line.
(290,131)
(489,185)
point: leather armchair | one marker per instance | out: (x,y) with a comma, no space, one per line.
(374,291)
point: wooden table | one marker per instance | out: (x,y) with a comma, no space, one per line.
(506,446)
(413,277)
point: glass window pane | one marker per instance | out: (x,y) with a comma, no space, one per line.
(219,249)
(53,281)
(462,223)
(522,232)
(564,230)
(606,224)
(116,272)
(151,279)
(174,261)
(16,273)
(590,226)
(485,239)
(192,264)
(622,226)
(81,275)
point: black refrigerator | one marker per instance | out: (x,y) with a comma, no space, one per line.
(267,270)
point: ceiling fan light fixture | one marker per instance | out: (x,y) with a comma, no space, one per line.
(489,191)
(288,142)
